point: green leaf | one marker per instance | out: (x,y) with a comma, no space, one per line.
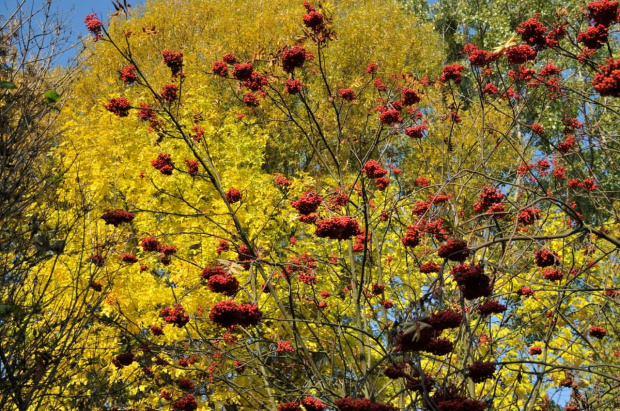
(7,85)
(51,96)
(7,309)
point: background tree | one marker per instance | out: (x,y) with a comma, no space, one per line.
(46,301)
(431,250)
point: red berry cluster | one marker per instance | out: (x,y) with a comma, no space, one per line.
(174,60)
(439,198)
(525,292)
(382,183)
(421,338)
(395,372)
(337,228)
(150,244)
(478,57)
(452,72)
(119,106)
(481,371)
(124,359)
(228,313)
(373,169)
(222,247)
(294,57)
(313,404)
(284,346)
(533,32)
(597,332)
(192,167)
(487,197)
(443,320)
(256,82)
(97,286)
(314,20)
(523,74)
(420,208)
(490,307)
(454,250)
(233,195)
(449,399)
(472,282)
(424,335)
(128,74)
(390,116)
(416,132)
(97,259)
(339,200)
(289,406)
(440,346)
(175,315)
(244,254)
(549,70)
(350,404)
(129,258)
(156,330)
(281,181)
(213,270)
(94,25)
(535,350)
(293,86)
(594,37)
(305,265)
(430,267)
(308,219)
(185,384)
(546,258)
(490,89)
(308,203)
(420,385)
(409,97)
(146,113)
(347,94)
(461,405)
(223,284)
(529,216)
(412,236)
(520,54)
(607,80)
(170,92)
(251,100)
(571,124)
(318,23)
(553,275)
(220,68)
(117,217)
(243,71)
(163,163)
(604,12)
(568,143)
(187,403)
(378,289)
(379,84)
(421,182)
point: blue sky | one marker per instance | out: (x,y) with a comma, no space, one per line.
(73,10)
(78,9)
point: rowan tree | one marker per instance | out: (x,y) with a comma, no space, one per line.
(313,212)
